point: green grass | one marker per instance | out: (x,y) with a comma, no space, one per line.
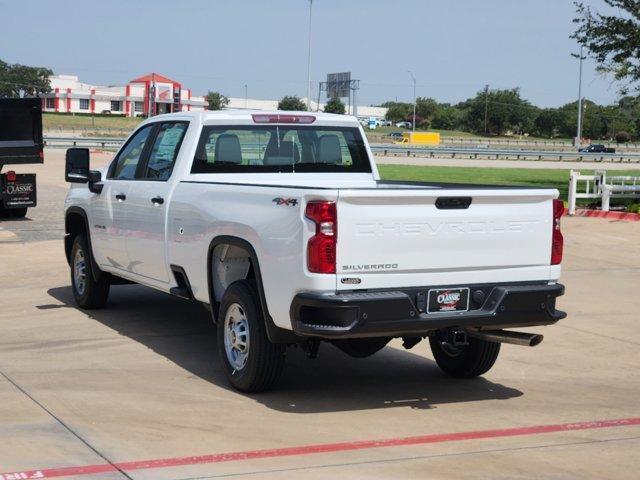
(554,178)
(86,122)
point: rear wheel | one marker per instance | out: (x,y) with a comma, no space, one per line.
(17,212)
(250,361)
(12,212)
(465,361)
(87,292)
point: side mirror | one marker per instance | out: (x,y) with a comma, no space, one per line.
(77,169)
(77,165)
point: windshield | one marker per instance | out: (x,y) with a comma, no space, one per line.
(280,148)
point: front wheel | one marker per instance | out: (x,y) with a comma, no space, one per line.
(250,361)
(88,292)
(465,361)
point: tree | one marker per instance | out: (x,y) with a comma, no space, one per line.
(217,101)
(548,122)
(612,40)
(593,120)
(397,111)
(18,78)
(505,112)
(426,108)
(419,120)
(291,103)
(447,118)
(334,106)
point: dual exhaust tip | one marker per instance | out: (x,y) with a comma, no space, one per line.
(504,336)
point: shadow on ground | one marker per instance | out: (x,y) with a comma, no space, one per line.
(183,332)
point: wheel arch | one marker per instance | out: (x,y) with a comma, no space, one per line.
(75,223)
(275,333)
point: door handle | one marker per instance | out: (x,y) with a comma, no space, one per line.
(453,203)
(157,200)
(121,196)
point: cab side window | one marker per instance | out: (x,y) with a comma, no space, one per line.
(125,165)
(165,150)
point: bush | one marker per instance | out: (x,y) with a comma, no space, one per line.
(633,208)
(292,104)
(419,119)
(334,106)
(623,137)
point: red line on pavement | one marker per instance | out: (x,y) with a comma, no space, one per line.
(320,448)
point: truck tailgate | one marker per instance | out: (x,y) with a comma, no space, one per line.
(403,237)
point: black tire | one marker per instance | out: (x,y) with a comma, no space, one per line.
(263,360)
(361,347)
(93,294)
(468,361)
(17,212)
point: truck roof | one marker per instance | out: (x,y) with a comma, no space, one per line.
(215,116)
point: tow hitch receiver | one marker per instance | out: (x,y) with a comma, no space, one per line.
(455,338)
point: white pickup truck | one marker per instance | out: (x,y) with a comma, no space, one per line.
(279,224)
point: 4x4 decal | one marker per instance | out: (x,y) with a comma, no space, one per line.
(291,202)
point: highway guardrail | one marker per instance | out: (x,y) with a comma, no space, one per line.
(407,151)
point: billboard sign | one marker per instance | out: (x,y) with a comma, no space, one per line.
(338,85)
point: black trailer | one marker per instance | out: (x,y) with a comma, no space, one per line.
(20,143)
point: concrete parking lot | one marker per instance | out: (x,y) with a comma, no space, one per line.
(136,391)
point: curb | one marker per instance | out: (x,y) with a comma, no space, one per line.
(624,216)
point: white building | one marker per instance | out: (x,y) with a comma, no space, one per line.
(364,111)
(152,92)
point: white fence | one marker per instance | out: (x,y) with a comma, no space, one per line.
(600,186)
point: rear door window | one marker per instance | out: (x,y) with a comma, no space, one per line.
(165,149)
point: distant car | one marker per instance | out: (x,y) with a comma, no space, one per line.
(596,148)
(106,112)
(403,124)
(395,135)
(384,123)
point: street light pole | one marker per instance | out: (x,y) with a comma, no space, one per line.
(578,138)
(413,123)
(246,97)
(309,60)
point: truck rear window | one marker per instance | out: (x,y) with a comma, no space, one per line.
(280,148)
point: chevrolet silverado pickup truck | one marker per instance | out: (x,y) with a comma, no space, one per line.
(279,224)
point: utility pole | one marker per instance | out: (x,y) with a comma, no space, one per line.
(413,123)
(578,138)
(246,97)
(309,60)
(486,108)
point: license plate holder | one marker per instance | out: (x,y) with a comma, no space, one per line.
(448,300)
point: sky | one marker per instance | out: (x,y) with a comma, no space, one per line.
(453,47)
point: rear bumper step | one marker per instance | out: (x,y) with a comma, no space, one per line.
(395,313)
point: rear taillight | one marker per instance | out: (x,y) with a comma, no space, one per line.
(321,249)
(557,241)
(11,176)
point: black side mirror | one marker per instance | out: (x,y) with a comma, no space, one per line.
(77,165)
(77,169)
